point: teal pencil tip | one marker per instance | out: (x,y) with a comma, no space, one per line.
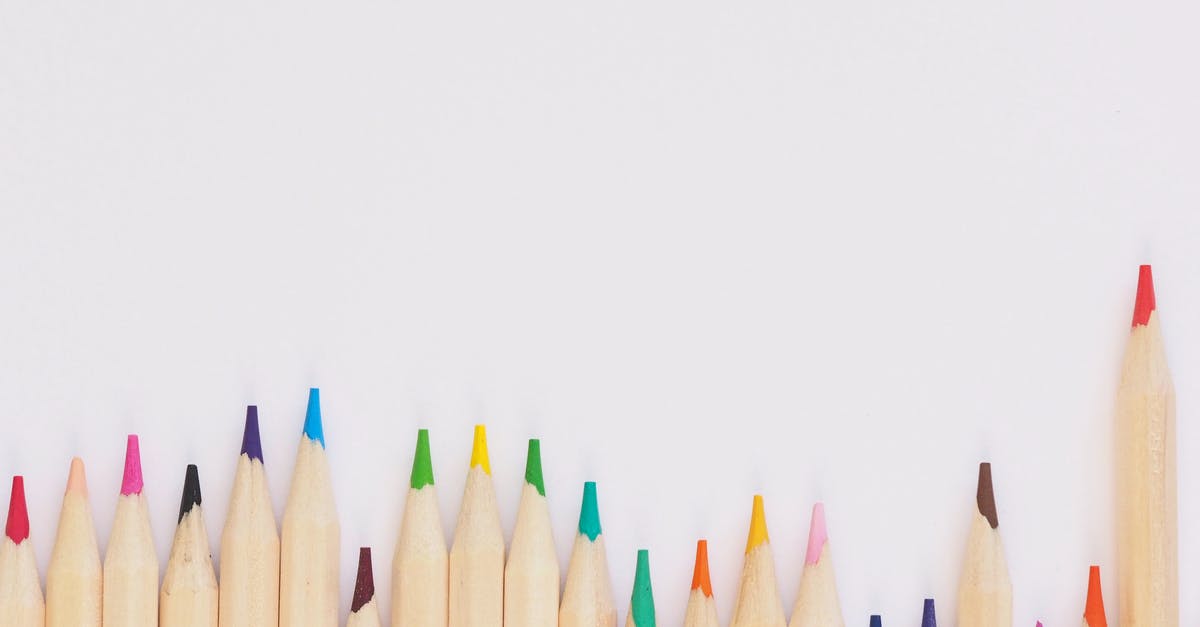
(422,471)
(533,466)
(641,605)
(313,429)
(589,513)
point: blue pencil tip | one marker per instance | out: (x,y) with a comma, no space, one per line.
(251,443)
(876,621)
(928,617)
(312,418)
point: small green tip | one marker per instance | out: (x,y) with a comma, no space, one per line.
(533,467)
(422,472)
(642,602)
(589,513)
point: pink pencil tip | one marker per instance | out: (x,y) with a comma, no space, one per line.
(1144,303)
(131,482)
(17,528)
(77,479)
(818,535)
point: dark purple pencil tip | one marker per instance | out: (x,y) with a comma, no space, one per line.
(251,444)
(364,587)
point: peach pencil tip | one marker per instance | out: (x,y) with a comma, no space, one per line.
(818,535)
(77,478)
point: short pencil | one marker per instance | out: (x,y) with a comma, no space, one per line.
(21,602)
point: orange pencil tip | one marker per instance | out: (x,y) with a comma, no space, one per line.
(700,578)
(1093,612)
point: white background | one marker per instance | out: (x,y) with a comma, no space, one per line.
(817,250)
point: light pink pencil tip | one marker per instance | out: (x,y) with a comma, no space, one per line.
(131,482)
(818,535)
(77,479)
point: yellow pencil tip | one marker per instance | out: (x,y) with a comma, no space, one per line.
(758,525)
(76,479)
(479,454)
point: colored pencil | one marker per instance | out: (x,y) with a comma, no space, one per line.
(587,599)
(1147,519)
(1093,608)
(758,603)
(817,603)
(531,574)
(74,577)
(876,621)
(477,553)
(701,608)
(421,562)
(130,562)
(985,591)
(641,602)
(189,590)
(928,614)
(250,541)
(310,541)
(364,611)
(21,603)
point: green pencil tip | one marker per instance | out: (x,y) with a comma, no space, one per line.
(589,513)
(533,467)
(642,602)
(422,472)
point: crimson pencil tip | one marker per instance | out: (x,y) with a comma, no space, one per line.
(364,586)
(17,528)
(1144,305)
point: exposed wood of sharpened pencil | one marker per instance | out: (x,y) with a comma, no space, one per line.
(985,590)
(249,582)
(21,602)
(130,587)
(587,599)
(531,575)
(758,603)
(477,553)
(420,566)
(1147,517)
(75,576)
(817,603)
(311,537)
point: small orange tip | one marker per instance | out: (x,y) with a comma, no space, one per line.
(1144,304)
(1093,612)
(700,578)
(77,479)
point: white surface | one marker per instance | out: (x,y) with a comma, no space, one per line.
(835,250)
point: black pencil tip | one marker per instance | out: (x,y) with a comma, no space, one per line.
(191,491)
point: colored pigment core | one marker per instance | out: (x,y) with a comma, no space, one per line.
(928,615)
(364,586)
(817,535)
(313,429)
(422,470)
(533,467)
(479,452)
(700,578)
(984,497)
(589,512)
(191,492)
(131,481)
(17,528)
(758,525)
(642,603)
(251,442)
(1093,612)
(1144,305)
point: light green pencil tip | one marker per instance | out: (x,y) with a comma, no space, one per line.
(422,471)
(533,467)
(642,602)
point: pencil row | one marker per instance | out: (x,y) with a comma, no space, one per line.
(473,583)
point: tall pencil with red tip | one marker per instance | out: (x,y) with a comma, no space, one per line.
(701,609)
(817,603)
(130,563)
(758,603)
(21,602)
(1147,517)
(75,576)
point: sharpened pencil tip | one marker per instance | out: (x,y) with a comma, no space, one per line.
(928,615)
(818,535)
(876,620)
(479,450)
(17,528)
(422,470)
(191,491)
(251,440)
(131,481)
(758,525)
(1144,304)
(589,512)
(533,466)
(641,605)
(1093,612)
(364,586)
(985,498)
(77,478)
(700,576)
(314,429)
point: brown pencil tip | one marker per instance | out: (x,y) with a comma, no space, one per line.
(364,586)
(985,499)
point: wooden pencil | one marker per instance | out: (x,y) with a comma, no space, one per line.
(817,603)
(74,577)
(531,575)
(21,603)
(1093,608)
(130,563)
(249,584)
(928,614)
(310,540)
(701,609)
(364,611)
(587,599)
(189,589)
(420,565)
(984,590)
(477,553)
(758,603)
(641,602)
(1147,519)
